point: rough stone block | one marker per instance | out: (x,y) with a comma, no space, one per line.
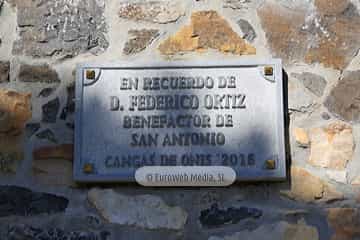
(207,30)
(345,222)
(236,4)
(21,201)
(344,98)
(50,111)
(60,28)
(15,111)
(152,11)
(47,134)
(301,137)
(313,82)
(215,217)
(332,146)
(139,40)
(247,29)
(37,73)
(312,35)
(146,211)
(307,187)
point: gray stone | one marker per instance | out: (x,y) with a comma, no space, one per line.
(325,116)
(4,71)
(215,217)
(25,232)
(50,110)
(46,92)
(207,30)
(21,201)
(64,113)
(351,11)
(344,98)
(299,99)
(28,17)
(47,134)
(60,28)
(152,11)
(38,73)
(70,125)
(15,111)
(31,128)
(314,83)
(139,40)
(236,4)
(248,31)
(9,162)
(70,104)
(146,211)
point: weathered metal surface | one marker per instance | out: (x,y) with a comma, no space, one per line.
(179,113)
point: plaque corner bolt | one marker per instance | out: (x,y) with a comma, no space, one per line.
(88,168)
(269,71)
(90,74)
(270,164)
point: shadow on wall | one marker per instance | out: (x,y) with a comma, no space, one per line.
(287,125)
(255,139)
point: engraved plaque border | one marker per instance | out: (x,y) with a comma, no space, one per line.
(262,175)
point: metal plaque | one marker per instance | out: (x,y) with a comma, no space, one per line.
(179,114)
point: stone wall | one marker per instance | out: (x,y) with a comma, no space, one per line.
(41,41)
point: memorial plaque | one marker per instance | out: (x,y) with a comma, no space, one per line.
(179,114)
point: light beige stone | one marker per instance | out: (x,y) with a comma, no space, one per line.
(345,222)
(332,146)
(15,111)
(309,188)
(277,231)
(146,211)
(301,137)
(207,30)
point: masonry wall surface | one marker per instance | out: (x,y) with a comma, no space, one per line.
(41,41)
